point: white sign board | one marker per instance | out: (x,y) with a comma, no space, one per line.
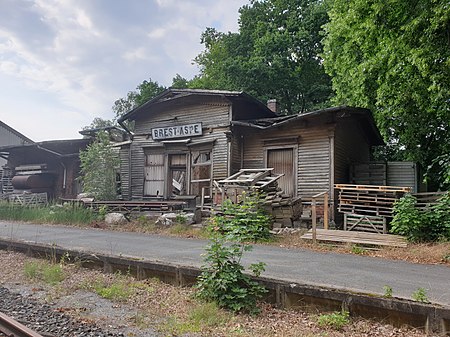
(177,131)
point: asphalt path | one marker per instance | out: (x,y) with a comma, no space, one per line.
(339,271)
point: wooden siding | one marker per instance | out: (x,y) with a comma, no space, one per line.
(215,124)
(313,153)
(124,171)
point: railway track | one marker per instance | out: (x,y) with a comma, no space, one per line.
(11,328)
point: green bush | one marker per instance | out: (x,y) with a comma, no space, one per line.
(223,279)
(245,221)
(422,226)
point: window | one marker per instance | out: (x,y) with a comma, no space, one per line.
(200,171)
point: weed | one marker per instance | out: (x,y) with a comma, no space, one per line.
(358,250)
(208,314)
(46,272)
(179,229)
(31,270)
(336,320)
(387,291)
(181,218)
(420,295)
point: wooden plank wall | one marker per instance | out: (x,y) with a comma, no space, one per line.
(313,170)
(214,116)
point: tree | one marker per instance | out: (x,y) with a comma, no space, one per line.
(144,92)
(98,123)
(393,56)
(99,166)
(275,54)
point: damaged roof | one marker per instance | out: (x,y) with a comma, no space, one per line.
(364,117)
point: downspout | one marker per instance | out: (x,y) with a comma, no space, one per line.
(64,176)
(129,157)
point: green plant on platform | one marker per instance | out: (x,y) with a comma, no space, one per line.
(246,221)
(420,295)
(358,250)
(387,291)
(336,320)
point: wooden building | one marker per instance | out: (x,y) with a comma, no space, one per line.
(50,167)
(185,139)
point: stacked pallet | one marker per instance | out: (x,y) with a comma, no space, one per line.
(281,206)
(369,199)
(368,207)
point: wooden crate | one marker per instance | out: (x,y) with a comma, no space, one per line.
(365,223)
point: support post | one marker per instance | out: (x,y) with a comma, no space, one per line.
(325,211)
(314,221)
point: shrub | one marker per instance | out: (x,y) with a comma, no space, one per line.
(223,279)
(422,226)
(245,221)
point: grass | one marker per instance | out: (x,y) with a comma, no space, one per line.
(202,316)
(336,320)
(61,214)
(44,271)
(420,295)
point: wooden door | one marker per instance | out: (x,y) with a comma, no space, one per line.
(154,175)
(283,161)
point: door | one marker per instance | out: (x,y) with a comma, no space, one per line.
(177,174)
(154,175)
(283,162)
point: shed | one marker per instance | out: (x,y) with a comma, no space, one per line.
(50,167)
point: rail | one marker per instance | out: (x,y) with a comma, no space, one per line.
(314,213)
(11,327)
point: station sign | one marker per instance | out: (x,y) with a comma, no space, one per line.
(178,131)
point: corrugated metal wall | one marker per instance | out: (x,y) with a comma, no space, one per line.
(402,173)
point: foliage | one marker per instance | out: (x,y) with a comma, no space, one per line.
(97,123)
(44,271)
(117,291)
(223,279)
(205,315)
(387,291)
(67,214)
(358,250)
(245,221)
(420,295)
(422,226)
(99,166)
(274,54)
(394,58)
(336,320)
(145,91)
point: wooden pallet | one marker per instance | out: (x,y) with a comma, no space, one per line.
(361,238)
(365,223)
(378,188)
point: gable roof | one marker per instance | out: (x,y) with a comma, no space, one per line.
(170,95)
(363,116)
(16,133)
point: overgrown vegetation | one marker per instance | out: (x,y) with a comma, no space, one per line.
(336,320)
(47,272)
(223,279)
(63,214)
(99,165)
(417,225)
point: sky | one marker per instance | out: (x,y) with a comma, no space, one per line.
(65,62)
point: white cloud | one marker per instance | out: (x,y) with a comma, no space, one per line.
(74,58)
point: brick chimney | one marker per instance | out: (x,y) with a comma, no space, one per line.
(273,105)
